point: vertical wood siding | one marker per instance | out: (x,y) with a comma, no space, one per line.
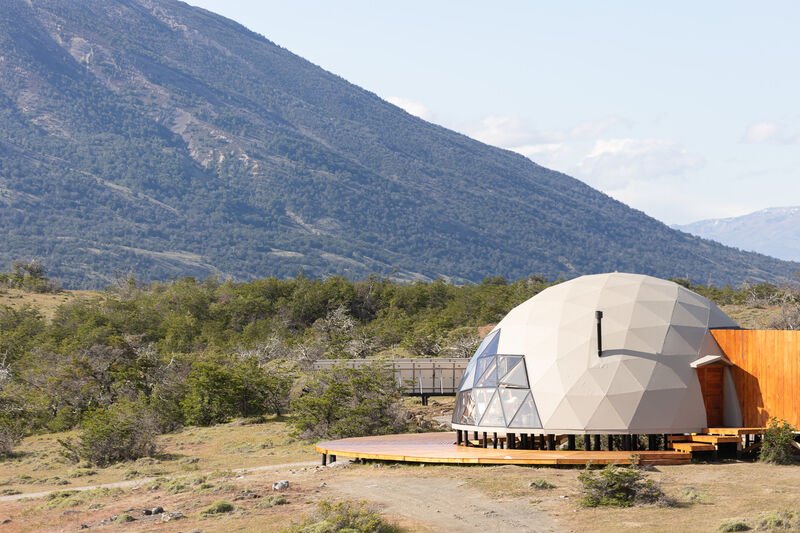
(766,373)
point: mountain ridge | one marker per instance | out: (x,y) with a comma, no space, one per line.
(773,231)
(154,138)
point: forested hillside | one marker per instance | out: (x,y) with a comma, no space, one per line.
(154,138)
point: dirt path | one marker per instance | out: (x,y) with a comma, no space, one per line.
(142,481)
(442,504)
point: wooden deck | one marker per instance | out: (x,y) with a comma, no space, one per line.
(441,448)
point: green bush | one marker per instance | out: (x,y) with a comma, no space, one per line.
(619,487)
(125,431)
(272,501)
(780,521)
(349,402)
(218,507)
(734,525)
(776,446)
(342,517)
(542,484)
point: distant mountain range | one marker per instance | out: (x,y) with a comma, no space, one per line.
(774,231)
(154,138)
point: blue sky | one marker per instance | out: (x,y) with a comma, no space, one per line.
(684,110)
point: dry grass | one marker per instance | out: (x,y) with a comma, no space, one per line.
(708,494)
(751,317)
(46,303)
(41,467)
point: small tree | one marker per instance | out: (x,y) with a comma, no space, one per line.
(127,430)
(348,402)
(777,445)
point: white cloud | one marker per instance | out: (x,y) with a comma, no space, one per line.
(513,133)
(769,132)
(760,132)
(418,109)
(616,163)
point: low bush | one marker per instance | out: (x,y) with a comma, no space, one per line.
(693,495)
(734,525)
(619,487)
(777,444)
(218,507)
(342,517)
(540,483)
(780,521)
(125,431)
(272,501)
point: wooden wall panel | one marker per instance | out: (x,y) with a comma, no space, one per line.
(766,373)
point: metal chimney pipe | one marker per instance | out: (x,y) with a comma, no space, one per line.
(599,316)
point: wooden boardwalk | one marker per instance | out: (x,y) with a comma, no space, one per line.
(441,448)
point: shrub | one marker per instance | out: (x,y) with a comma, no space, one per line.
(272,501)
(218,507)
(125,517)
(540,483)
(619,487)
(125,431)
(776,446)
(693,495)
(735,525)
(340,517)
(349,402)
(780,520)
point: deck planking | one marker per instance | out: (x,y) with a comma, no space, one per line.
(440,447)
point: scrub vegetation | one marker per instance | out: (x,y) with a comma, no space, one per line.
(138,360)
(343,516)
(777,446)
(617,486)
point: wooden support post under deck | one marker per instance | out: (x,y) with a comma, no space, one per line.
(494,441)
(458,437)
(333,458)
(610,442)
(324,459)
(485,443)
(746,440)
(570,442)
(597,442)
(511,439)
(476,435)
(651,442)
(666,441)
(587,443)
(551,442)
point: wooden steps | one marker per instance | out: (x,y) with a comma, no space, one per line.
(690,447)
(708,439)
(734,431)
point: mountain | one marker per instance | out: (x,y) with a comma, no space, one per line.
(774,231)
(154,138)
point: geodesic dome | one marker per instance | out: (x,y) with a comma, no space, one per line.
(539,371)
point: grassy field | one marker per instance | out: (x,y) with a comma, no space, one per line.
(46,303)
